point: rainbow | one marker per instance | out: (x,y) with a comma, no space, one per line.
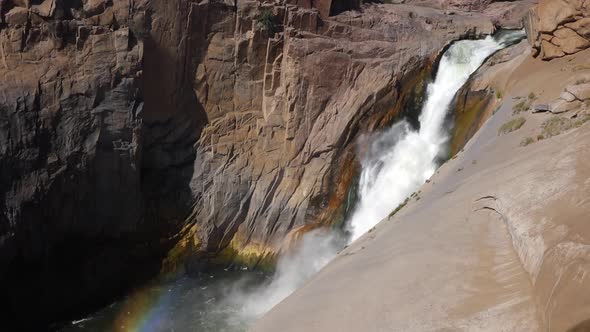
(145,311)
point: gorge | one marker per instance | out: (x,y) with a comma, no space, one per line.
(399,161)
(160,159)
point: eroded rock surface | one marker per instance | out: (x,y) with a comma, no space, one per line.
(559,27)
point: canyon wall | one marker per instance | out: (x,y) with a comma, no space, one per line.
(71,104)
(161,135)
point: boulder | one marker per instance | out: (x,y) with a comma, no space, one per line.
(581,91)
(556,28)
(569,41)
(581,27)
(552,13)
(45,9)
(540,108)
(561,106)
(94,7)
(550,51)
(17,16)
(567,96)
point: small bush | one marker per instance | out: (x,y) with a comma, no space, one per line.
(526,141)
(557,125)
(532,96)
(499,94)
(521,106)
(267,20)
(511,126)
(540,137)
(401,206)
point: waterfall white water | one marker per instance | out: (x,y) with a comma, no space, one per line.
(398,162)
(401,159)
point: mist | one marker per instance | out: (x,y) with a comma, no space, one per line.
(395,163)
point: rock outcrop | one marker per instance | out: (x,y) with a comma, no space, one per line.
(559,27)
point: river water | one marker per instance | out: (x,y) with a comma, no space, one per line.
(398,162)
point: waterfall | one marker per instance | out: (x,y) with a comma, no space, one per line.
(398,162)
(401,159)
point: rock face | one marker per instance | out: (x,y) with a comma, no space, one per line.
(75,147)
(285,116)
(136,132)
(559,27)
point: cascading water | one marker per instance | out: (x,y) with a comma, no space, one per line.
(401,159)
(398,162)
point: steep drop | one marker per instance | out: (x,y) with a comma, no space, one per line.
(401,159)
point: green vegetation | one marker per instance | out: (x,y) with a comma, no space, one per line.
(499,94)
(524,104)
(401,206)
(557,125)
(532,96)
(521,106)
(267,20)
(511,126)
(526,141)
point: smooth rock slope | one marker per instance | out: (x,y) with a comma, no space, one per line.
(496,241)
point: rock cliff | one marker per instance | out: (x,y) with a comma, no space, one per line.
(71,144)
(285,115)
(139,136)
